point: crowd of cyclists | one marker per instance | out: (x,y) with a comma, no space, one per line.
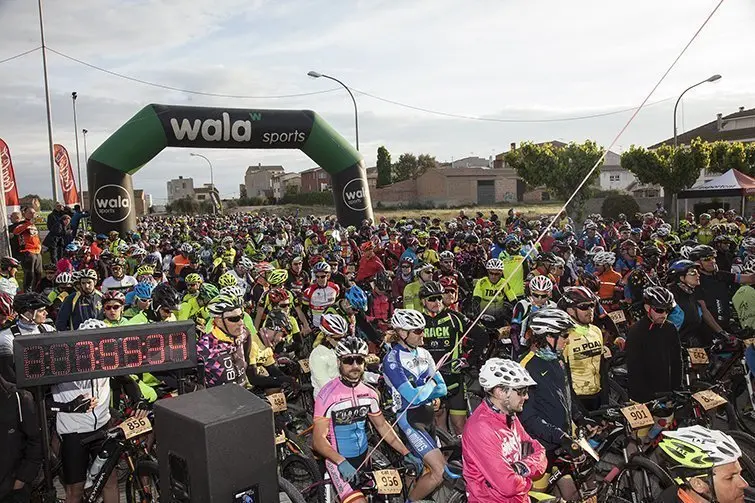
(392,318)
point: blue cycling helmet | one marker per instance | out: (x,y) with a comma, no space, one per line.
(357,298)
(72,247)
(130,296)
(143,290)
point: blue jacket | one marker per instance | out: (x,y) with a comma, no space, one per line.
(547,414)
(77,308)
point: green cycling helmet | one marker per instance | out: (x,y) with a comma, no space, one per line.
(277,276)
(208,291)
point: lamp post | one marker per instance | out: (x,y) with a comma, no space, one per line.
(75,95)
(47,103)
(712,78)
(317,75)
(212,178)
(86,157)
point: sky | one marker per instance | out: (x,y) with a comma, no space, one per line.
(517,60)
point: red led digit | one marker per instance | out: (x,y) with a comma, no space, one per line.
(132,353)
(177,347)
(84,356)
(34,362)
(109,354)
(155,349)
(60,359)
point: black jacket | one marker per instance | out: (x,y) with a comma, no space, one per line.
(20,438)
(547,413)
(654,359)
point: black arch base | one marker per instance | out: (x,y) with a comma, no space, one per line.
(111,205)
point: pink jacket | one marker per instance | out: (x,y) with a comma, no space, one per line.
(489,448)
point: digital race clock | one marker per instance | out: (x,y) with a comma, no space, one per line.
(55,357)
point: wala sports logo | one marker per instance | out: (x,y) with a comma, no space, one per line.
(355,195)
(215,129)
(8,180)
(112,203)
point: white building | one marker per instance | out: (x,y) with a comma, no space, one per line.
(180,187)
(263,181)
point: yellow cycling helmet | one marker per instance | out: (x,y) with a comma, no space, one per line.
(145,270)
(193,279)
(227,279)
(277,276)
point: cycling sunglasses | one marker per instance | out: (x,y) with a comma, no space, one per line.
(353,360)
(434,298)
(659,310)
(418,331)
(112,307)
(585,307)
(321,276)
(284,306)
(234,319)
(541,295)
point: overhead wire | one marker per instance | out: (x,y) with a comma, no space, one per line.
(19,55)
(550,225)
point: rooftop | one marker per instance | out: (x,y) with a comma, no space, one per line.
(717,130)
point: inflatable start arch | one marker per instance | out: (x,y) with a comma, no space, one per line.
(155,127)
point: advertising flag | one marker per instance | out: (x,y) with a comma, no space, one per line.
(65,173)
(9,179)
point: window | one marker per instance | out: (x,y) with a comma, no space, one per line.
(614,178)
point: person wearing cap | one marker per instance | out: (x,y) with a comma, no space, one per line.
(370,264)
(32,314)
(500,458)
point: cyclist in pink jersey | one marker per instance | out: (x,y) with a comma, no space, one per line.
(342,409)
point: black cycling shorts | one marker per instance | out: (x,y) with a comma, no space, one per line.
(76,457)
(454,400)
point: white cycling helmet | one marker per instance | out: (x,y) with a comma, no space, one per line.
(508,373)
(351,346)
(684,251)
(333,325)
(91,324)
(407,319)
(494,264)
(604,258)
(551,321)
(541,284)
(720,447)
(64,278)
(749,266)
(232,291)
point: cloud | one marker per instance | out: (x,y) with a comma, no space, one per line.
(534,59)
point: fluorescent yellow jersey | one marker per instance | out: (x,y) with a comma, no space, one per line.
(583,353)
(485,291)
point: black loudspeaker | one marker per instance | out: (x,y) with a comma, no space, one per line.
(216,445)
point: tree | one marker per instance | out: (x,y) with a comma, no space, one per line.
(185,205)
(291,190)
(559,169)
(411,166)
(673,169)
(384,168)
(735,155)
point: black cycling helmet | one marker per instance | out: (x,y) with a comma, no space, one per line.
(658,297)
(546,258)
(383,281)
(278,321)
(679,268)
(430,289)
(165,296)
(24,302)
(576,295)
(472,239)
(650,250)
(701,252)
(8,262)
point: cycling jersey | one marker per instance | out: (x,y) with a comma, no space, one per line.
(8,285)
(223,358)
(408,374)
(411,295)
(442,332)
(520,319)
(492,443)
(318,299)
(347,409)
(515,269)
(608,282)
(485,290)
(323,366)
(583,352)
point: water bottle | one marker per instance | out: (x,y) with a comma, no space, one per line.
(658,427)
(94,470)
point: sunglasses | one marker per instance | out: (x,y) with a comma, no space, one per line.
(692,272)
(659,310)
(521,391)
(284,306)
(321,276)
(234,319)
(541,295)
(434,298)
(585,307)
(418,331)
(112,307)
(352,360)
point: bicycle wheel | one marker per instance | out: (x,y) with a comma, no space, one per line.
(287,492)
(143,485)
(302,473)
(640,480)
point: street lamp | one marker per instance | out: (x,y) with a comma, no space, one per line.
(712,78)
(212,178)
(86,157)
(75,95)
(317,75)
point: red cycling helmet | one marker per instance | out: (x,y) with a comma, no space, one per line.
(114,296)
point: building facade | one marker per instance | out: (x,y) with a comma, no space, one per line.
(315,180)
(179,188)
(263,181)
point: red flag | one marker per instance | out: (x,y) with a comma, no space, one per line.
(9,179)
(65,172)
